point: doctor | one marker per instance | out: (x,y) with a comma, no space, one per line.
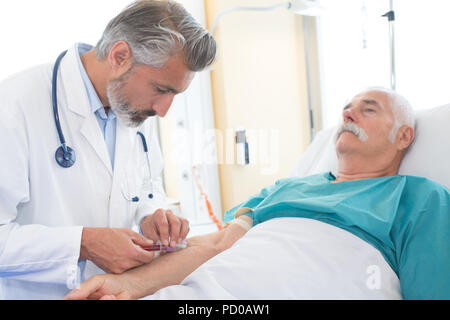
(80,164)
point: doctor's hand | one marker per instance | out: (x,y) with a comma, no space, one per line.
(166,227)
(114,250)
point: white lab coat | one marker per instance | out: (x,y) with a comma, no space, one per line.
(43,206)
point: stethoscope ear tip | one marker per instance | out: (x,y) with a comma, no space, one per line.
(150,195)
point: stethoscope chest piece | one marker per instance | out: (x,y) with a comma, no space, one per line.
(65,158)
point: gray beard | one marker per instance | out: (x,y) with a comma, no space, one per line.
(120,106)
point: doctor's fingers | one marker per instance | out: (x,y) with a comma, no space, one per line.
(175,224)
(161,225)
(167,224)
(139,239)
(178,228)
(184,230)
(142,256)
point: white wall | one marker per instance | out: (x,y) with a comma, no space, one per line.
(354,50)
(259,83)
(35,32)
(423,51)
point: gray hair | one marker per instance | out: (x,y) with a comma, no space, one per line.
(157,29)
(401,109)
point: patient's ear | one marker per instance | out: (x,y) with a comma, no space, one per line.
(405,137)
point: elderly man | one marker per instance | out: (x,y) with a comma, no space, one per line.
(68,215)
(406,218)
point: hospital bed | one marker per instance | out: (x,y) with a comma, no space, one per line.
(295,258)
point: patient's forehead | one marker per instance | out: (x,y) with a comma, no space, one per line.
(382,98)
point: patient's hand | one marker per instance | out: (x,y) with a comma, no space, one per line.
(105,286)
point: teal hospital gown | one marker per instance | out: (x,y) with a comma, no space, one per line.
(407,218)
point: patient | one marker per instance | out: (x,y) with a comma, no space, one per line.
(406,218)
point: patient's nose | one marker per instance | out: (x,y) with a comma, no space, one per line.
(348,115)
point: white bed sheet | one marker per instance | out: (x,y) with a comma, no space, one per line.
(291,258)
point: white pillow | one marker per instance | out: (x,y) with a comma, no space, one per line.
(428,156)
(320,156)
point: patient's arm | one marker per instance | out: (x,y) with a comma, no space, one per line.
(169,269)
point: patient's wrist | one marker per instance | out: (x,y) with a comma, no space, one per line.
(243,221)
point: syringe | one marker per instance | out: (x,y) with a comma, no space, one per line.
(159,247)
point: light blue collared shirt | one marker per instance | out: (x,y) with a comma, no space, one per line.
(107,123)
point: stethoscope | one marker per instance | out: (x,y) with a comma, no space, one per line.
(65,156)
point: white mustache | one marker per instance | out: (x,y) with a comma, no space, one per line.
(353,128)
